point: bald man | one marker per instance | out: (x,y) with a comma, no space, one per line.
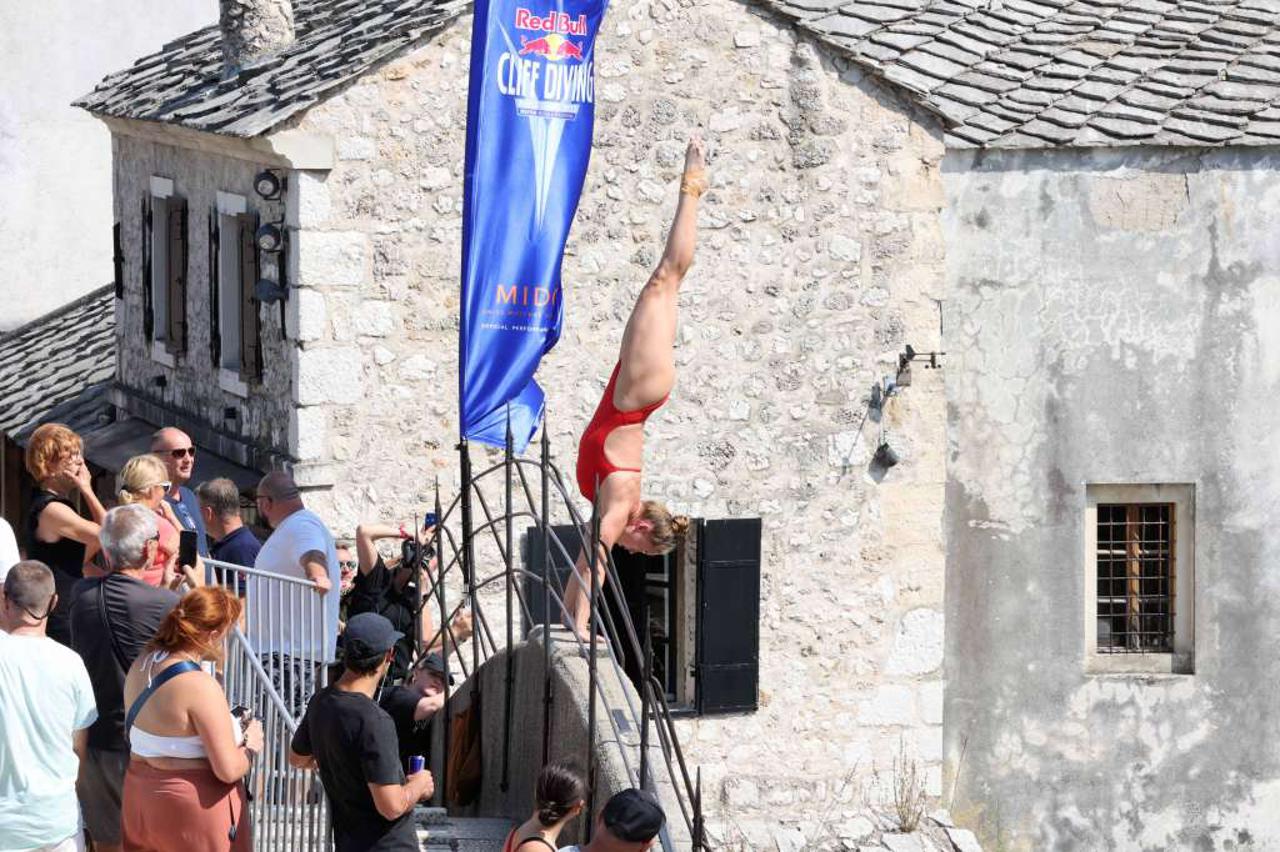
(178,452)
(295,625)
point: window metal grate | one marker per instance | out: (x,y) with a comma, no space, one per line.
(1136,574)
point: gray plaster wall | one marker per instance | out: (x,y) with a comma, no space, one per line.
(192,383)
(1114,317)
(55,161)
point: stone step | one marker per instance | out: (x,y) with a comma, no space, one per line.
(439,831)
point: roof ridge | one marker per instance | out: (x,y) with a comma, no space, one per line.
(61,310)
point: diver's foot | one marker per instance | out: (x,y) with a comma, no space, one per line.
(694,182)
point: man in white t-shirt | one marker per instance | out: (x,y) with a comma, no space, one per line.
(46,708)
(293,621)
(8,549)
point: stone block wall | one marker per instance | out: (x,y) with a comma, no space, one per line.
(191,384)
(820,257)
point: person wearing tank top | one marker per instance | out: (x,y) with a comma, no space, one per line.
(56,533)
(561,795)
(611,450)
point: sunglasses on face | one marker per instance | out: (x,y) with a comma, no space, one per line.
(183,451)
(348,564)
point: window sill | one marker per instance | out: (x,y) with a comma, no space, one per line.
(230,381)
(1139,665)
(161,355)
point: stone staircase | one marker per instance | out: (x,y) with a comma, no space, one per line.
(439,832)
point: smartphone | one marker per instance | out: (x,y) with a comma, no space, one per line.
(187,547)
(429,520)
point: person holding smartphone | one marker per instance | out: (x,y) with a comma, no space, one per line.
(352,742)
(178,452)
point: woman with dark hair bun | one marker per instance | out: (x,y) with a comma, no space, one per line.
(561,796)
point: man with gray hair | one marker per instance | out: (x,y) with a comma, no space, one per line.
(300,547)
(112,619)
(46,705)
(229,539)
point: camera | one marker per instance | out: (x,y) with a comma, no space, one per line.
(413,553)
(243,715)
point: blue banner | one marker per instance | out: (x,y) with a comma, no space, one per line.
(530,111)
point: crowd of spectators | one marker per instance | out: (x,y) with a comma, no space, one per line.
(114,728)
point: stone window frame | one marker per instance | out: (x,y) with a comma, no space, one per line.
(229,205)
(161,189)
(1181,660)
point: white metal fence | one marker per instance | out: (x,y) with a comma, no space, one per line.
(274,663)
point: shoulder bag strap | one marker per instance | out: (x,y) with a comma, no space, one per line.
(106,622)
(160,680)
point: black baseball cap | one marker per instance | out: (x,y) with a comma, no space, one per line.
(369,634)
(633,816)
(433,662)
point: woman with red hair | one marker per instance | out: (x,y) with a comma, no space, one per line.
(57,535)
(182,792)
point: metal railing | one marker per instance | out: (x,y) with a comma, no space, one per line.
(614,623)
(273,666)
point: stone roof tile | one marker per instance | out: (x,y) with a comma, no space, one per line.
(62,361)
(337,41)
(1053,73)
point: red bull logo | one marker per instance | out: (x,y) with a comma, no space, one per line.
(552,47)
(558,23)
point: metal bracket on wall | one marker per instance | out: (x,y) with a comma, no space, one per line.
(933,361)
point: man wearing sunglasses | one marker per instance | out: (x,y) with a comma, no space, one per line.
(178,452)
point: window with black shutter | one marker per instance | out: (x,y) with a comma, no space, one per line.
(250,322)
(176,293)
(215,287)
(117,260)
(701,608)
(148,296)
(728,657)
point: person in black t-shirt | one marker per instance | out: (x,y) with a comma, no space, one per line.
(112,619)
(412,706)
(352,741)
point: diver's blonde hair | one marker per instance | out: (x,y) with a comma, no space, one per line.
(668,529)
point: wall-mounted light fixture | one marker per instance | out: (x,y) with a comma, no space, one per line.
(269,184)
(268,291)
(269,237)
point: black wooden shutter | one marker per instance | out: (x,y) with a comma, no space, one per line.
(177,283)
(728,663)
(250,327)
(215,316)
(561,569)
(117,260)
(148,308)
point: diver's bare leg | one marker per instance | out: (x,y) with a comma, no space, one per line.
(648,368)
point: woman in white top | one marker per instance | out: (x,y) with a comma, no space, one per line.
(182,792)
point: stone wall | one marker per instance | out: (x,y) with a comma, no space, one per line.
(1115,318)
(820,256)
(192,384)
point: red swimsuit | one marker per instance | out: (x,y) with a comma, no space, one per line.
(593,464)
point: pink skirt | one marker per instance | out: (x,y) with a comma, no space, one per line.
(183,810)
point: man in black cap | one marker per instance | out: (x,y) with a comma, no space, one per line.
(630,822)
(412,705)
(352,741)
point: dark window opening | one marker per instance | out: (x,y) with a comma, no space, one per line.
(1136,578)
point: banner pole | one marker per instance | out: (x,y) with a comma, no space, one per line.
(545,472)
(468,555)
(509,696)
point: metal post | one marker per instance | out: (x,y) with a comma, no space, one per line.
(698,831)
(591,663)
(418,580)
(509,692)
(544,470)
(468,563)
(646,684)
(444,652)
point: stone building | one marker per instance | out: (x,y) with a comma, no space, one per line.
(1067,200)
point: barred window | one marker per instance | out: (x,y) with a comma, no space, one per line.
(1140,583)
(1136,592)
